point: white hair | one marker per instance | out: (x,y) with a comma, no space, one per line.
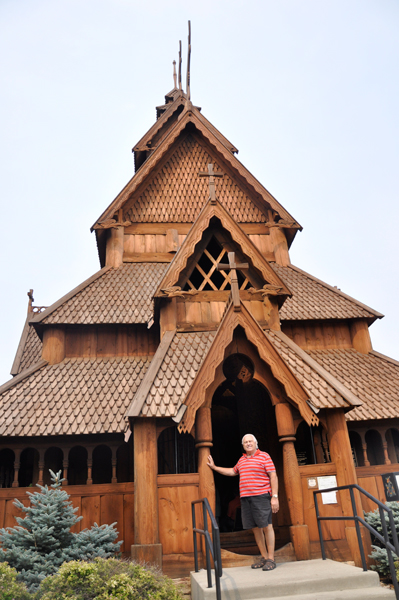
(252,435)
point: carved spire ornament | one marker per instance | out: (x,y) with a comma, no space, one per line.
(211,174)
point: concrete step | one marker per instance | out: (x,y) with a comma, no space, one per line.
(303,580)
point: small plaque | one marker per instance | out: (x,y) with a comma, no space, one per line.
(329,481)
(312,482)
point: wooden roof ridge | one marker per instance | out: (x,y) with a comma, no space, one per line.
(39,317)
(190,115)
(268,353)
(248,248)
(23,375)
(377,314)
(144,388)
(153,130)
(385,357)
(341,389)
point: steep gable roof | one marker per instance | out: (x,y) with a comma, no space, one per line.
(240,238)
(192,118)
(112,295)
(76,396)
(313,299)
(372,377)
(29,349)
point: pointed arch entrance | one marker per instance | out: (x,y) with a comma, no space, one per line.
(240,405)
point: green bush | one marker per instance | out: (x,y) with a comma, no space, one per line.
(107,579)
(10,588)
(42,541)
(379,553)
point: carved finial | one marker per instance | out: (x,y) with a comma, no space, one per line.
(174,75)
(180,65)
(188,62)
(211,174)
(232,266)
(31,300)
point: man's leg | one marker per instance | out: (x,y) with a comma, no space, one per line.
(260,540)
(270,540)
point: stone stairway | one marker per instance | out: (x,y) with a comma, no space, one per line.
(303,580)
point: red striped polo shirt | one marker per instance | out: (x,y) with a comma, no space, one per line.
(253,470)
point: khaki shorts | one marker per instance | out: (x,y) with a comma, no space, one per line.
(256,511)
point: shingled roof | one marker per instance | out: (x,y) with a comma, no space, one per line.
(176,193)
(312,299)
(29,350)
(122,295)
(175,365)
(372,377)
(325,390)
(76,396)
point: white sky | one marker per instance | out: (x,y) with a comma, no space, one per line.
(306,89)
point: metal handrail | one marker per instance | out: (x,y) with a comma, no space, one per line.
(383,539)
(212,545)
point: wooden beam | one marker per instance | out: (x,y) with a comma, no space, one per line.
(141,257)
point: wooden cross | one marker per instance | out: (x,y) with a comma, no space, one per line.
(211,174)
(232,266)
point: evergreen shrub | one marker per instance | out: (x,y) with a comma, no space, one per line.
(379,553)
(42,541)
(10,588)
(107,579)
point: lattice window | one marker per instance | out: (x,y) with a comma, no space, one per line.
(205,275)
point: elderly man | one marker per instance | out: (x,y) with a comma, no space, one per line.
(259,497)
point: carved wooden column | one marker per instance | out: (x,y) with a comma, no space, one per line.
(364,449)
(89,479)
(17,464)
(387,460)
(65,466)
(114,477)
(41,466)
(146,546)
(203,441)
(341,455)
(292,482)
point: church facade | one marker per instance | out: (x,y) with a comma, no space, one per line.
(196,330)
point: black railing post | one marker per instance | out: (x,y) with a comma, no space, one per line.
(358,532)
(212,546)
(383,539)
(316,505)
(194,539)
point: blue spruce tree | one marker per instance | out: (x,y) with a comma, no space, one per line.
(43,540)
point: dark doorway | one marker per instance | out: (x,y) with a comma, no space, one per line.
(242,405)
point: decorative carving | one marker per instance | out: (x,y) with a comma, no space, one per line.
(283,224)
(267,353)
(248,249)
(268,290)
(112,224)
(175,291)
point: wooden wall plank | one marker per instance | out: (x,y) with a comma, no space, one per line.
(193,312)
(181,312)
(128,519)
(77,503)
(128,244)
(139,243)
(160,243)
(206,316)
(370,485)
(2,512)
(90,511)
(175,518)
(149,243)
(111,510)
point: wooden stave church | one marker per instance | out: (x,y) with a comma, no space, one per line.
(130,380)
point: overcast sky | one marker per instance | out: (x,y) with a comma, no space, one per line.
(306,89)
